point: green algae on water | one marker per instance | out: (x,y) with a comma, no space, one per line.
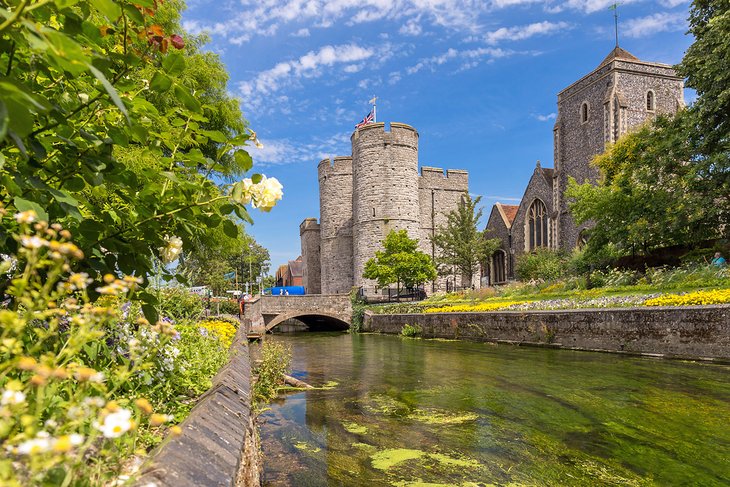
(442,417)
(386,459)
(355,428)
(304,446)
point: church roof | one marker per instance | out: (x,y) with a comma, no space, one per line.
(295,266)
(508,213)
(618,53)
(548,173)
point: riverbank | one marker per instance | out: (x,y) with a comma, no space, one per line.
(682,332)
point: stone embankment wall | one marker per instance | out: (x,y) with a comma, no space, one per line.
(219,443)
(693,332)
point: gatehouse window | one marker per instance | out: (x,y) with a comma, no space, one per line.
(582,238)
(584,112)
(537,225)
(650,101)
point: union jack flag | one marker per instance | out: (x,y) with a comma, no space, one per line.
(368,119)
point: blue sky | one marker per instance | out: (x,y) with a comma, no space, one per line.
(477,79)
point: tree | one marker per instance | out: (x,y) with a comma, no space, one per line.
(113,124)
(705,67)
(648,195)
(400,262)
(669,182)
(460,244)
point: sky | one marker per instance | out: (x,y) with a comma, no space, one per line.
(477,79)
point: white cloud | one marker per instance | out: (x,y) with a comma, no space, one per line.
(544,118)
(267,17)
(469,58)
(308,65)
(285,151)
(586,6)
(524,31)
(411,28)
(672,3)
(652,24)
(301,33)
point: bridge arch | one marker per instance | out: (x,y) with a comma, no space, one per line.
(316,321)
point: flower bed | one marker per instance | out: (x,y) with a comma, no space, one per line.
(718,296)
(87,385)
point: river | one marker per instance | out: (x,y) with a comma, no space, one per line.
(408,412)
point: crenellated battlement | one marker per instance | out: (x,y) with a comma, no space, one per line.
(340,165)
(376,133)
(437,178)
(308,224)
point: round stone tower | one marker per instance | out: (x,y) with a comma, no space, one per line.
(384,190)
(335,213)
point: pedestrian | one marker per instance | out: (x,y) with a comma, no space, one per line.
(718,260)
(281,292)
(286,292)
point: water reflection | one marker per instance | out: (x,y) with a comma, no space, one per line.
(425,412)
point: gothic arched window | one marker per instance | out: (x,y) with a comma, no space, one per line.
(650,101)
(537,225)
(584,112)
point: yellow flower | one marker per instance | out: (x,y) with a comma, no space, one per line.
(158,419)
(65,443)
(143,405)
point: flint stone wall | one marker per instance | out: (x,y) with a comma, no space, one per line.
(692,332)
(218,445)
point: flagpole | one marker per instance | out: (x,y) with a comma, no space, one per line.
(375,114)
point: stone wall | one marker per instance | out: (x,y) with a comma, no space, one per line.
(497,228)
(310,238)
(335,209)
(385,190)
(696,332)
(438,195)
(539,187)
(218,445)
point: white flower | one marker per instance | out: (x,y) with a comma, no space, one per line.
(79,280)
(34,446)
(173,249)
(12,397)
(246,191)
(84,98)
(266,193)
(94,401)
(26,216)
(33,242)
(116,424)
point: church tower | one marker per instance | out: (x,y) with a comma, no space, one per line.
(622,93)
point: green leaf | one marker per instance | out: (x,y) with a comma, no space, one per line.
(109,89)
(4,120)
(160,82)
(188,100)
(243,159)
(173,64)
(75,184)
(25,205)
(230,229)
(256,178)
(108,8)
(63,197)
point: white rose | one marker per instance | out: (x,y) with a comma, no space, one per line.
(173,249)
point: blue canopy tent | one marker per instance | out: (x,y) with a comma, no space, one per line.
(290,290)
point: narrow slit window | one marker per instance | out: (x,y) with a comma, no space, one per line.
(650,101)
(584,112)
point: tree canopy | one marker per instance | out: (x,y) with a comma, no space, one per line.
(668,182)
(114,124)
(460,242)
(400,262)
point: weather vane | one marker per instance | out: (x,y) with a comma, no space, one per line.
(614,7)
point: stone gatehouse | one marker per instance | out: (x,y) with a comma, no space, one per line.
(378,188)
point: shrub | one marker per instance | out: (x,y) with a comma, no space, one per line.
(180,304)
(542,264)
(275,362)
(222,329)
(411,330)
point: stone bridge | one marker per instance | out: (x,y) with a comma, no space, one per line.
(320,312)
